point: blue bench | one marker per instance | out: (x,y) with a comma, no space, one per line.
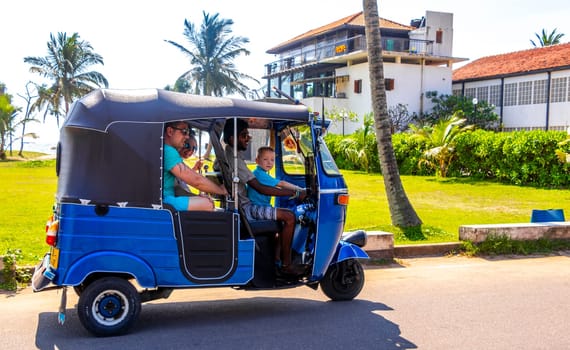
(547,215)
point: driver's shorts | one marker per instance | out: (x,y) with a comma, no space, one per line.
(259,212)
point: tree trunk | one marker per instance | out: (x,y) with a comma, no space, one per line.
(401,211)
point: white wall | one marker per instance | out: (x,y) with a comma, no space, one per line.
(440,21)
(437,21)
(410,82)
(530,116)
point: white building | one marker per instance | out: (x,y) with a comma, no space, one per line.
(529,88)
(327,67)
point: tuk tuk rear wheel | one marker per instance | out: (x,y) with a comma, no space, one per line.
(344,280)
(109,306)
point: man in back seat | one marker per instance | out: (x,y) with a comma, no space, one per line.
(176,134)
(255,212)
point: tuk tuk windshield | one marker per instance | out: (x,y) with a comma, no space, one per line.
(327,159)
(296,146)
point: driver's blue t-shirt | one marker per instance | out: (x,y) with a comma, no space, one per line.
(265,179)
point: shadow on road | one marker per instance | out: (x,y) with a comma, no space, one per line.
(244,323)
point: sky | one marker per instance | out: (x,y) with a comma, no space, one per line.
(130,34)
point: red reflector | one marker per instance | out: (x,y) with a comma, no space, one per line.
(50,240)
(51,234)
(342,199)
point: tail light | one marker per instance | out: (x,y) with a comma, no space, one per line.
(342,199)
(52,227)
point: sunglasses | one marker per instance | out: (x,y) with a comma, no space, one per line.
(184,131)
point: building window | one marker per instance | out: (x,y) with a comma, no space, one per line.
(483,93)
(439,36)
(539,91)
(558,89)
(495,95)
(456,92)
(470,92)
(389,84)
(358,86)
(525,92)
(511,94)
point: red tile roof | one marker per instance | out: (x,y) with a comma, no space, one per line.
(355,20)
(537,59)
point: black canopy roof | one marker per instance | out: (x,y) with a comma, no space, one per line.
(101,108)
(111,144)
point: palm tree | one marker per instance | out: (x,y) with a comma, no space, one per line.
(212,52)
(181,85)
(547,39)
(441,137)
(401,211)
(67,66)
(8,113)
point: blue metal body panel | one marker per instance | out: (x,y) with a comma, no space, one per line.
(135,241)
(346,250)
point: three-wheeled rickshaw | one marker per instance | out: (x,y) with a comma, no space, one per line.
(114,241)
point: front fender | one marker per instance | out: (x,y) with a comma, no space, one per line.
(110,262)
(346,250)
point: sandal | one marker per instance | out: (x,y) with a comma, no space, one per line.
(293,270)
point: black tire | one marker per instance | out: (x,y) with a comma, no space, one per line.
(343,281)
(109,306)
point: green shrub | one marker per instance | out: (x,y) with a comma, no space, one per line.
(12,276)
(37,164)
(518,158)
(504,245)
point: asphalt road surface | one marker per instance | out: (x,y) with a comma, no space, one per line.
(424,303)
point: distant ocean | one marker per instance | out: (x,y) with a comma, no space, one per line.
(47,148)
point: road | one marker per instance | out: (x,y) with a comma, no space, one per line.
(423,303)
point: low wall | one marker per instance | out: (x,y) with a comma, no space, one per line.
(380,245)
(522,232)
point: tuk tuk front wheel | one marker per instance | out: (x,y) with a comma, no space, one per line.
(344,280)
(109,306)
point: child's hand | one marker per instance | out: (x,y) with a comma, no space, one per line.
(198,165)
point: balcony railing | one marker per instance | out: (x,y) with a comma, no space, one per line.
(345,47)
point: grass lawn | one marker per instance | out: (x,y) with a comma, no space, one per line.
(445,204)
(27,196)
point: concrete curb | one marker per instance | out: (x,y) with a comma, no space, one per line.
(414,250)
(380,245)
(434,249)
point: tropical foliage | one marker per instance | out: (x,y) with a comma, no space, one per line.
(212,52)
(441,139)
(563,152)
(358,147)
(67,66)
(8,113)
(518,158)
(478,113)
(547,39)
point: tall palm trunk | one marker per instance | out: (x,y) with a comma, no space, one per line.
(401,211)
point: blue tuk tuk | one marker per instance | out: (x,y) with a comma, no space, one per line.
(113,240)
